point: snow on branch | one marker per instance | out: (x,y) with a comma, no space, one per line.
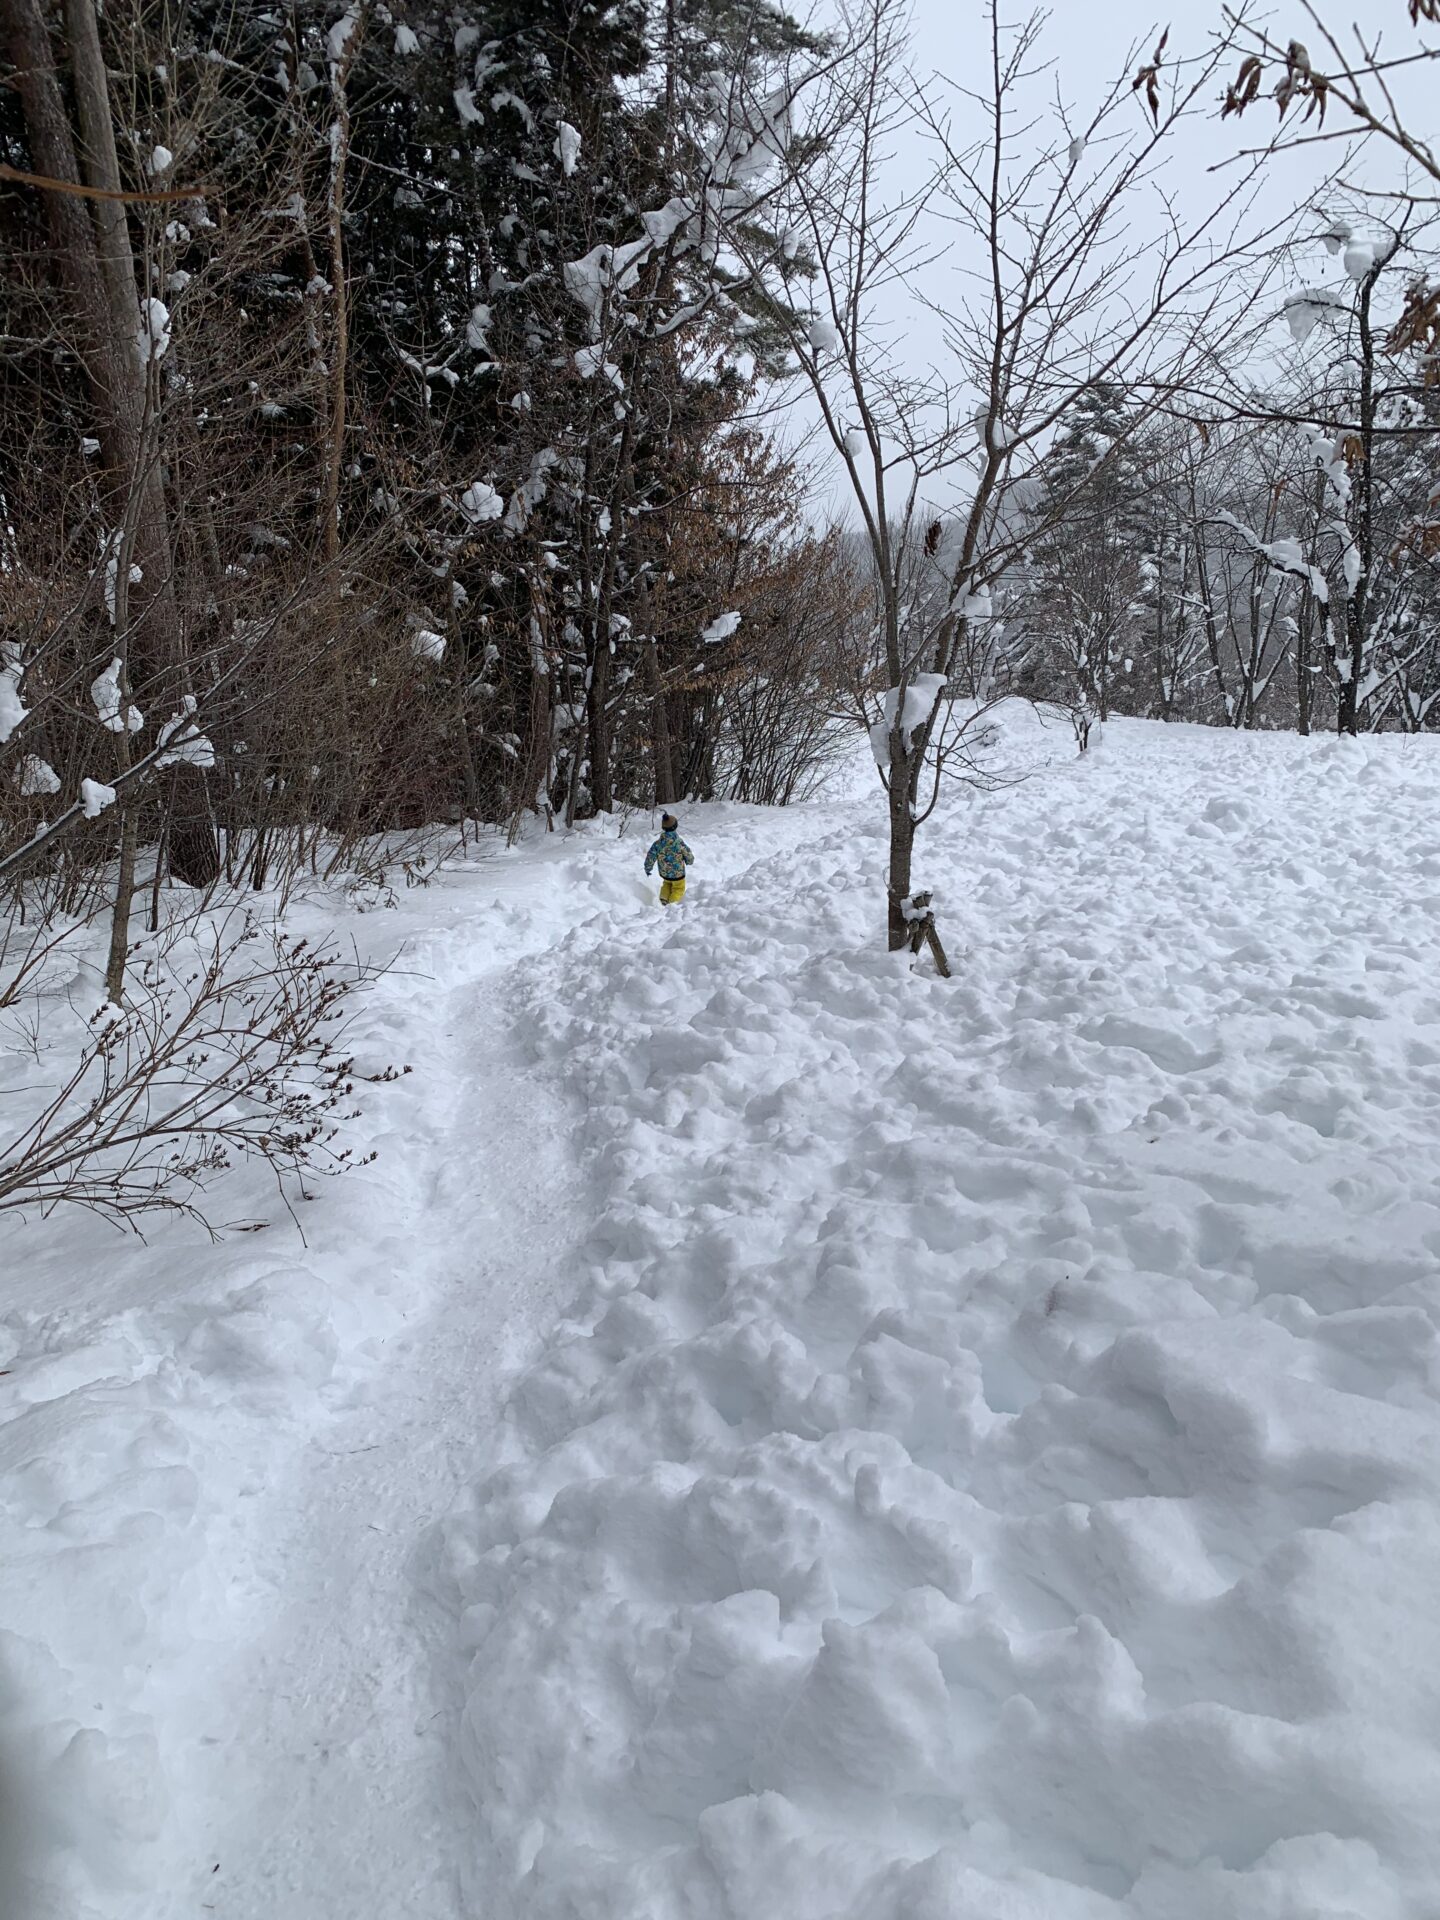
(1286,556)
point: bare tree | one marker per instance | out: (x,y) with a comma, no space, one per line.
(1052,300)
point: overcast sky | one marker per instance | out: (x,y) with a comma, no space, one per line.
(1086,44)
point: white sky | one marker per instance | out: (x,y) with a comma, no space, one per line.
(1087,43)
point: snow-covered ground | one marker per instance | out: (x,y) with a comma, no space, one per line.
(778,1434)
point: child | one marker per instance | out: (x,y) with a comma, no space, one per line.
(673,856)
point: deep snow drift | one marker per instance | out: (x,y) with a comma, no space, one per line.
(994,1469)
(990,1464)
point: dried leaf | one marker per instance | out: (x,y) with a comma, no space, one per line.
(1149,78)
(1245,88)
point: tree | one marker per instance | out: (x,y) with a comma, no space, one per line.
(1087,561)
(112,309)
(1051,310)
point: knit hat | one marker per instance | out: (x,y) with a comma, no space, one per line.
(668,822)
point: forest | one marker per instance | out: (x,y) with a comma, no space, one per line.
(495,416)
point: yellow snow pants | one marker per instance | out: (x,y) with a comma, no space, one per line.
(672,892)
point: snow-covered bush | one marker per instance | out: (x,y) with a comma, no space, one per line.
(229,1044)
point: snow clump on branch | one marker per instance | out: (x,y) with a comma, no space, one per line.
(567,147)
(182,742)
(105,694)
(480,502)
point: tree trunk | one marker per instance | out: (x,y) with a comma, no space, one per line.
(51,142)
(1348,705)
(597,705)
(665,792)
(1304,678)
(902,845)
(97,262)
(120,912)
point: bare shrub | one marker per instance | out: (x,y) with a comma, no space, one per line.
(230,1046)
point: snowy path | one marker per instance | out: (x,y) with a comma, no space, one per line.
(991,1465)
(220,1467)
(340,1789)
(336,1784)
(996,1468)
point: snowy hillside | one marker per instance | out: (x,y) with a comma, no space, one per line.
(778,1435)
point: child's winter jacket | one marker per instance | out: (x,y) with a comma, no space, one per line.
(672,856)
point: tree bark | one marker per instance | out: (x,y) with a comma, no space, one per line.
(1348,705)
(902,847)
(665,792)
(597,704)
(51,141)
(97,262)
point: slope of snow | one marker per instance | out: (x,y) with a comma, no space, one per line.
(993,1468)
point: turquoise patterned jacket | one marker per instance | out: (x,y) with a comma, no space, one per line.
(672,854)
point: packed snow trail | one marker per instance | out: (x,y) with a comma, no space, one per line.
(994,1469)
(220,1465)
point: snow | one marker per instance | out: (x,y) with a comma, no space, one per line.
(751,145)
(591,362)
(112,578)
(477,328)
(218,1462)
(35,776)
(426,644)
(822,336)
(505,98)
(974,603)
(406,41)
(661,224)
(466,107)
(12,708)
(1075,152)
(567,147)
(962,1486)
(154,334)
(105,698)
(337,41)
(722,627)
(921,693)
(480,502)
(1329,454)
(605,269)
(161,160)
(1285,554)
(1304,311)
(586,280)
(183,743)
(95,797)
(777,1433)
